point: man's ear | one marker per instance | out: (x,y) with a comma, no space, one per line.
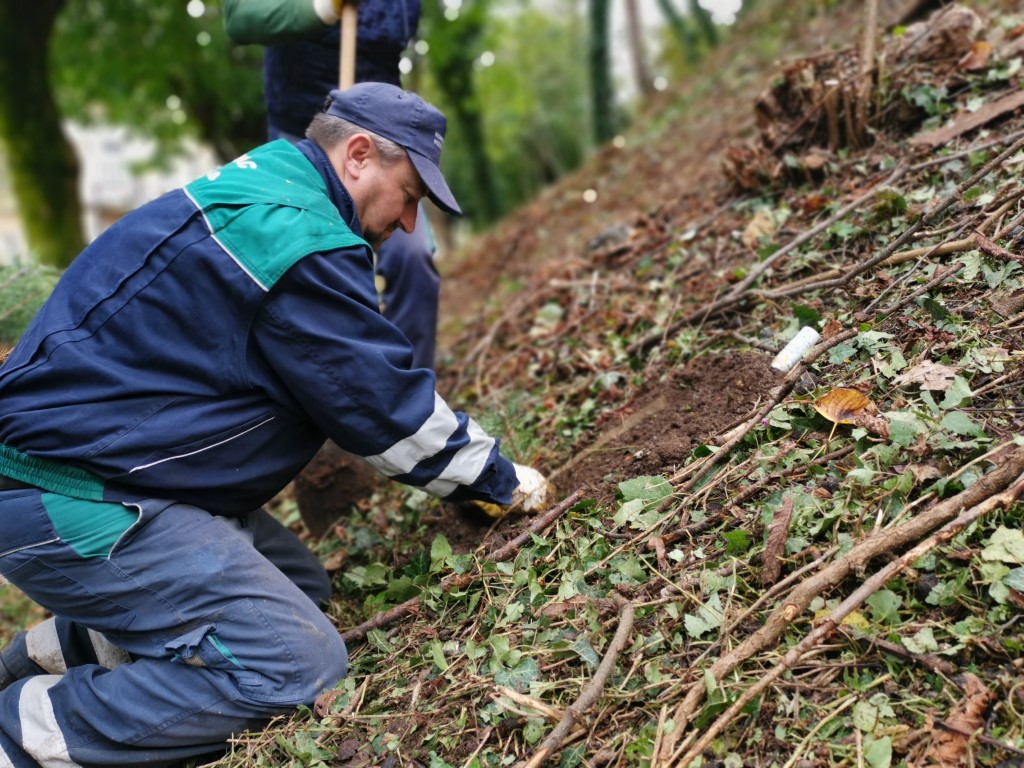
(358,153)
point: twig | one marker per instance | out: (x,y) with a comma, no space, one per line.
(928,216)
(736,295)
(458,581)
(825,628)
(927,660)
(591,692)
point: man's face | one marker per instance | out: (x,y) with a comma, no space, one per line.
(386,198)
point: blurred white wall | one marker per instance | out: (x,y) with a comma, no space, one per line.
(110,183)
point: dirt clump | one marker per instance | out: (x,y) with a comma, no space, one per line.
(658,431)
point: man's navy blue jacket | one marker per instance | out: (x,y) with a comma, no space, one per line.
(204,346)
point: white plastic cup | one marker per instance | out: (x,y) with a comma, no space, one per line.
(798,346)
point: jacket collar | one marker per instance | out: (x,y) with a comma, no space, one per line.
(336,191)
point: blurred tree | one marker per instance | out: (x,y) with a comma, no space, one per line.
(454,38)
(42,163)
(637,50)
(693,33)
(681,31)
(165,70)
(601,93)
(705,23)
(535,107)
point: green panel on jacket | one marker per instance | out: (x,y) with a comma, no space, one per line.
(268,209)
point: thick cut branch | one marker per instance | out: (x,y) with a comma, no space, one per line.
(827,626)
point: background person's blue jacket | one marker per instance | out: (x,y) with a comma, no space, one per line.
(204,346)
(300,61)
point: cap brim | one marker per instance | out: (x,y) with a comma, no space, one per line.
(437,187)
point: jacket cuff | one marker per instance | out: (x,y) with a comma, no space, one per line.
(327,11)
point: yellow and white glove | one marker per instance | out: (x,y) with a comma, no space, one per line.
(533,495)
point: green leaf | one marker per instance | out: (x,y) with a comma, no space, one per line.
(582,648)
(1015,579)
(885,605)
(959,423)
(650,488)
(437,655)
(637,513)
(936,310)
(440,550)
(878,752)
(904,428)
(957,395)
(806,315)
(1005,545)
(922,642)
(736,542)
(707,617)
(865,716)
(520,676)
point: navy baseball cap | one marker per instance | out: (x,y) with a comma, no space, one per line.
(407,120)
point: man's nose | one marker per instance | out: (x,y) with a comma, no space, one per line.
(408,220)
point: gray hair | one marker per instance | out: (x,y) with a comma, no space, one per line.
(328,131)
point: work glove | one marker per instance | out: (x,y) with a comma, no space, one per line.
(533,495)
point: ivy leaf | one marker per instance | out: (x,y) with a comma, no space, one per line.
(865,716)
(959,423)
(707,617)
(958,393)
(885,605)
(878,752)
(520,676)
(1005,545)
(585,651)
(922,642)
(1015,579)
(652,488)
(440,551)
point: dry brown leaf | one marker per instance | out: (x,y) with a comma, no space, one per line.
(832,328)
(928,375)
(849,406)
(760,226)
(977,58)
(949,739)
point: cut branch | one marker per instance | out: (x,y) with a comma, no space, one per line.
(591,692)
(827,626)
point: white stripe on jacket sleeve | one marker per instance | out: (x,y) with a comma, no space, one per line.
(467,464)
(429,440)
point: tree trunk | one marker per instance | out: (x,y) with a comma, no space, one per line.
(453,50)
(637,50)
(705,23)
(601,97)
(43,166)
(680,30)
